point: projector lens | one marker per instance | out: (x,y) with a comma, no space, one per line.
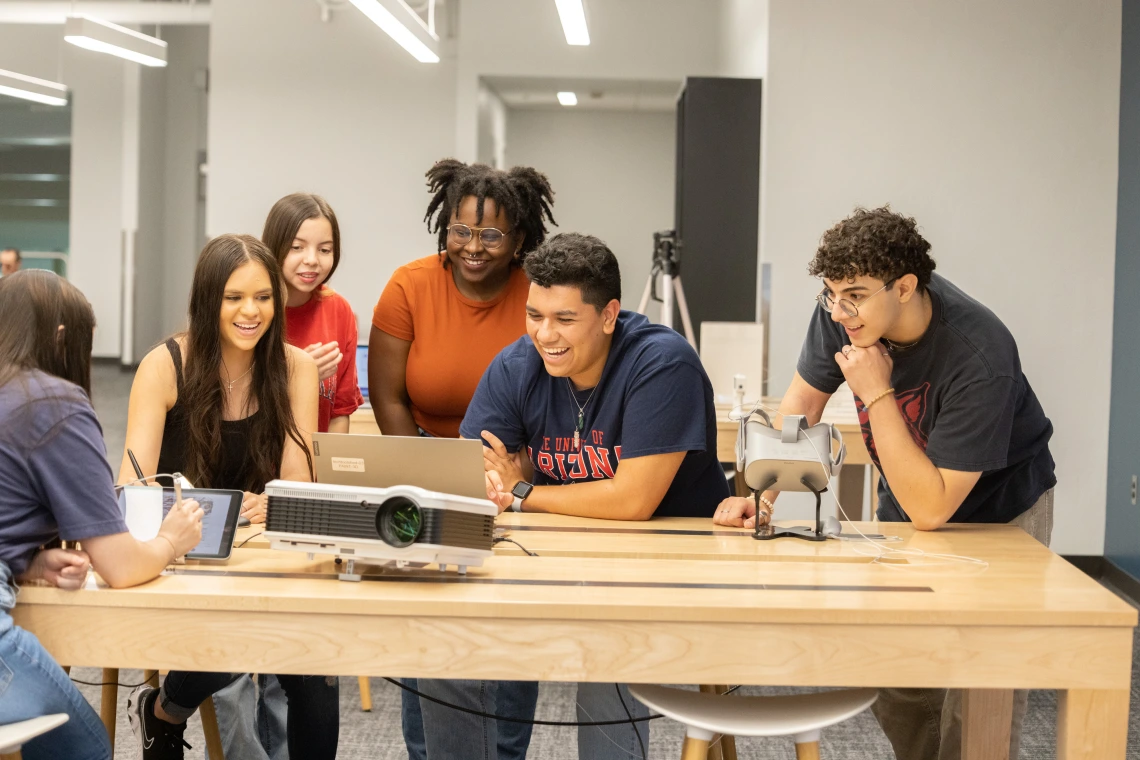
(399,521)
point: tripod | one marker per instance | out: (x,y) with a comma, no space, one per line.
(667,263)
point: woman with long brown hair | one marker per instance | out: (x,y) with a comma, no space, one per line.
(230,405)
(55,483)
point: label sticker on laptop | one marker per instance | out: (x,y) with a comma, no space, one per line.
(347,464)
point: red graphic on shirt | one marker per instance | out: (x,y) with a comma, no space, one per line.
(913,404)
(563,461)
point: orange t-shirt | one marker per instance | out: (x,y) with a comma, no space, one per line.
(453,337)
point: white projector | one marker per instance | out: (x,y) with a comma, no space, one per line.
(401,524)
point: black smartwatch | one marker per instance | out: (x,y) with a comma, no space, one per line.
(521,490)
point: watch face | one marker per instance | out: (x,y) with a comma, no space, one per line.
(522,489)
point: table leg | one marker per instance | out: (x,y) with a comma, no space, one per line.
(1092,724)
(851,481)
(109,704)
(987,717)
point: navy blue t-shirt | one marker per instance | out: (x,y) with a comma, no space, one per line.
(55,481)
(965,400)
(653,398)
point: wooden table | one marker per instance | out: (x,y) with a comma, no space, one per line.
(667,601)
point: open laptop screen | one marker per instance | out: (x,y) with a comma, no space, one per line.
(362,370)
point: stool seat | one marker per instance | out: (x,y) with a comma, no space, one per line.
(15,735)
(791,715)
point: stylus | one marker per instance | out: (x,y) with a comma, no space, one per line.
(135,464)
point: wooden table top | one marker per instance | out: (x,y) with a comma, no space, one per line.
(668,569)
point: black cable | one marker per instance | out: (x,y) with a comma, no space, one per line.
(532,721)
(502,539)
(628,714)
(255,535)
(111,683)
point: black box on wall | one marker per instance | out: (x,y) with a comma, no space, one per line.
(717,215)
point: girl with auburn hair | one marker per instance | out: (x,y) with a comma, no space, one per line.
(230,405)
(440,322)
(302,233)
(55,483)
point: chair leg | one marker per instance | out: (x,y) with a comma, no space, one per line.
(109,704)
(694,748)
(11,755)
(728,747)
(807,751)
(210,730)
(151,678)
(365,693)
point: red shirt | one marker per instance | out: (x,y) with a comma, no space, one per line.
(325,318)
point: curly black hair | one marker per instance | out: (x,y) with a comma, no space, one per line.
(877,243)
(580,261)
(523,194)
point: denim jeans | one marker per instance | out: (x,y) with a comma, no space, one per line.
(926,724)
(455,735)
(33,684)
(313,724)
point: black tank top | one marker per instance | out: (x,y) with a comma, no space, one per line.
(235,470)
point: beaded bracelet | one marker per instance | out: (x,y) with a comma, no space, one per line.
(887,392)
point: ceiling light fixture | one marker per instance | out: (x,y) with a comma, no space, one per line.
(105,37)
(403,25)
(567,98)
(573,17)
(30,88)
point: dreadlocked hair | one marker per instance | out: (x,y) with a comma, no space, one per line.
(877,243)
(523,194)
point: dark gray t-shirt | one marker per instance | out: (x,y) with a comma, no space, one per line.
(55,480)
(965,399)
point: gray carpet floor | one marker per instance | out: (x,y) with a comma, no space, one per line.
(376,735)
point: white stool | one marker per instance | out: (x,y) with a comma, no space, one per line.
(15,735)
(800,716)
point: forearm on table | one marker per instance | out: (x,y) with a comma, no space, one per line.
(128,562)
(604,499)
(916,482)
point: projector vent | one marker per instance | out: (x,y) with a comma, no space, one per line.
(324,517)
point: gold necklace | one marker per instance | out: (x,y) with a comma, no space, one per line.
(230,383)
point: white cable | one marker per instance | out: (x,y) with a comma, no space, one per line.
(884,555)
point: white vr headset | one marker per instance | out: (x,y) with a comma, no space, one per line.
(795,458)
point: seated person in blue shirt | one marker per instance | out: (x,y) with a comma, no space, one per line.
(947,414)
(596,412)
(55,482)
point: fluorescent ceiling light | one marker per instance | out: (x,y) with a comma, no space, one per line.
(567,98)
(33,177)
(403,25)
(573,17)
(30,88)
(105,37)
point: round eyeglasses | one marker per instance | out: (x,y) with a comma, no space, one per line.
(489,237)
(850,309)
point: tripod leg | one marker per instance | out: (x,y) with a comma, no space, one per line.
(683,305)
(667,289)
(641,307)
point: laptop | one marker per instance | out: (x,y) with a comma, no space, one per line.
(362,373)
(447,465)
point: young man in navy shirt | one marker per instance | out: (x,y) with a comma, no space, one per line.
(947,414)
(616,416)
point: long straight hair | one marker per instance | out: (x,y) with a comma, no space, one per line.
(287,216)
(204,393)
(34,305)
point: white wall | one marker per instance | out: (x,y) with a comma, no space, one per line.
(744,37)
(343,112)
(629,39)
(97,83)
(995,125)
(612,174)
(492,129)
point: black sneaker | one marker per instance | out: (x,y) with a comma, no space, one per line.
(158,740)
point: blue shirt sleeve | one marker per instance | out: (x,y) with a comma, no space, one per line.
(496,406)
(73,478)
(664,411)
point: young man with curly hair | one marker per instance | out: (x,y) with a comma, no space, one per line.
(947,414)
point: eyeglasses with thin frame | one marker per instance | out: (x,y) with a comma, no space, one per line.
(489,237)
(850,309)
